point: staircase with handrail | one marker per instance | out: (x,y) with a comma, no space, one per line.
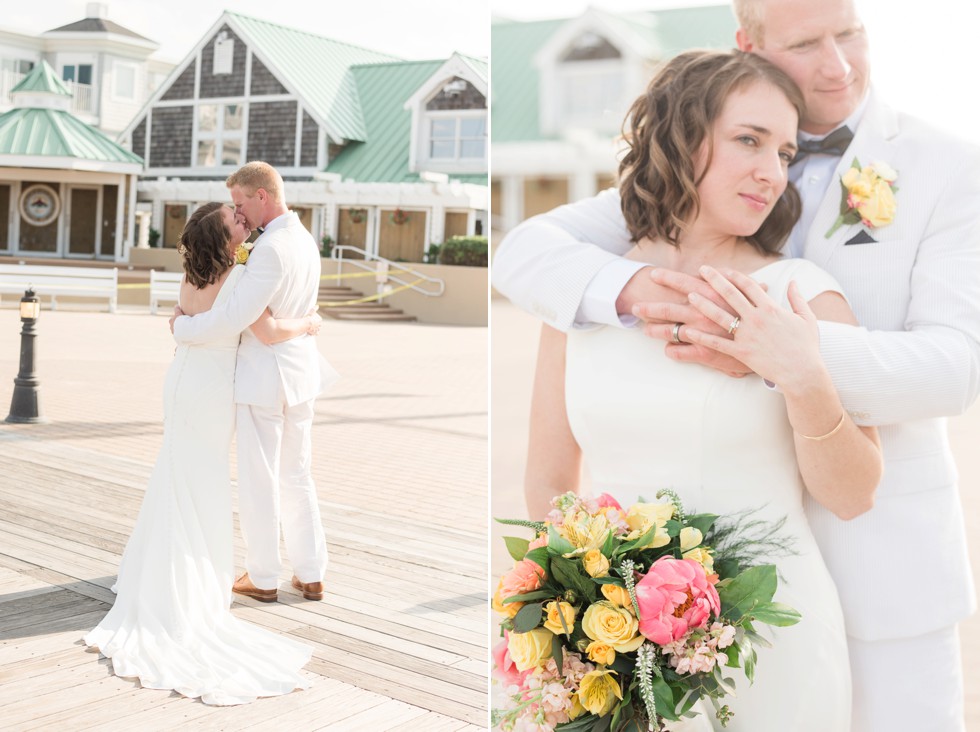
(345,303)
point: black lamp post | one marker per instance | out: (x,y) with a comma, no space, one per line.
(24,405)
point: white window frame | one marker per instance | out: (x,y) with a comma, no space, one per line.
(116,67)
(576,74)
(457,163)
(75,64)
(219,135)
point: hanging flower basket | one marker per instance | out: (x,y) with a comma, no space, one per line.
(357,215)
(399,217)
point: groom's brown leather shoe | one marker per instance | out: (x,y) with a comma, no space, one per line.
(243,586)
(310,590)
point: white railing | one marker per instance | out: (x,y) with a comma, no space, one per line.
(83,95)
(8,80)
(386,269)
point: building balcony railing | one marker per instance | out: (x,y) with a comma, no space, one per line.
(83,95)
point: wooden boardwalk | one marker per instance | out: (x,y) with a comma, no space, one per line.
(400,638)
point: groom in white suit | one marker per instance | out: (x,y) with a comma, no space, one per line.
(902,568)
(275,388)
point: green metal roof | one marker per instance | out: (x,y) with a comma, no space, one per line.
(316,68)
(54,133)
(514,99)
(479,65)
(680,29)
(383,90)
(42,78)
(513,45)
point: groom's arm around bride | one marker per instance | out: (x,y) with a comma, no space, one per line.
(275,388)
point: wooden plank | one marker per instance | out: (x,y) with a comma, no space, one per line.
(388,681)
(80,624)
(408,663)
(377,717)
(435,722)
(33,620)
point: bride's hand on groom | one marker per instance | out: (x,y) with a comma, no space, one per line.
(177,313)
(315,321)
(668,315)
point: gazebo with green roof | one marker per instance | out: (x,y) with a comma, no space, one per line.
(70,183)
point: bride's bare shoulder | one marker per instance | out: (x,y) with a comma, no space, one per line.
(195,300)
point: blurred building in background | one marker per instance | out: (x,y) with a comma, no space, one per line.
(383,154)
(104,149)
(561,89)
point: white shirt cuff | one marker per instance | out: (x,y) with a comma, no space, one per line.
(599,300)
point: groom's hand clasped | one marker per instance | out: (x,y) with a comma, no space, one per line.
(661,300)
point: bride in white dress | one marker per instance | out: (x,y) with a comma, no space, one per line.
(171,626)
(725,125)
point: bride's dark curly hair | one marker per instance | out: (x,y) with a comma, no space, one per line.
(204,245)
(666,128)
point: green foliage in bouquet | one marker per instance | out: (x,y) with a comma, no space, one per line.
(618,620)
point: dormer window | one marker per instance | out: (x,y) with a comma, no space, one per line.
(449,120)
(458,137)
(456,125)
(590,83)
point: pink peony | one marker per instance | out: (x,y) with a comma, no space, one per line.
(607,501)
(674,597)
(526,576)
(504,668)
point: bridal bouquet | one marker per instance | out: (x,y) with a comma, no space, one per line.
(621,619)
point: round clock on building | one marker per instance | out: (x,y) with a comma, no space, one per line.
(39,205)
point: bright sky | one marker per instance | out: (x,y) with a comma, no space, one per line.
(428,30)
(923,54)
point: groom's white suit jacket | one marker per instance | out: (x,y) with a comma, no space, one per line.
(914,361)
(283,274)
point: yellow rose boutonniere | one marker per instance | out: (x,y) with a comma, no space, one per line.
(241,254)
(868,196)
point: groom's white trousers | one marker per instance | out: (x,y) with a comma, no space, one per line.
(275,486)
(908,684)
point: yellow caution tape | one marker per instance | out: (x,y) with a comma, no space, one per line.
(350,275)
(369,297)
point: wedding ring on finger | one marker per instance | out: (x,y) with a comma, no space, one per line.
(734,326)
(675,333)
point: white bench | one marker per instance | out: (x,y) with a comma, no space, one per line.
(164,286)
(91,282)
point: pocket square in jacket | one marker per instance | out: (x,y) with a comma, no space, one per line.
(862,237)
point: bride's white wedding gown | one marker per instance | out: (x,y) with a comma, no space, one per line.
(645,422)
(171,625)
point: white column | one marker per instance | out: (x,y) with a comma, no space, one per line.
(581,185)
(512,201)
(124,228)
(438,225)
(143,237)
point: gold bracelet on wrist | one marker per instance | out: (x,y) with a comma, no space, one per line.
(829,434)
